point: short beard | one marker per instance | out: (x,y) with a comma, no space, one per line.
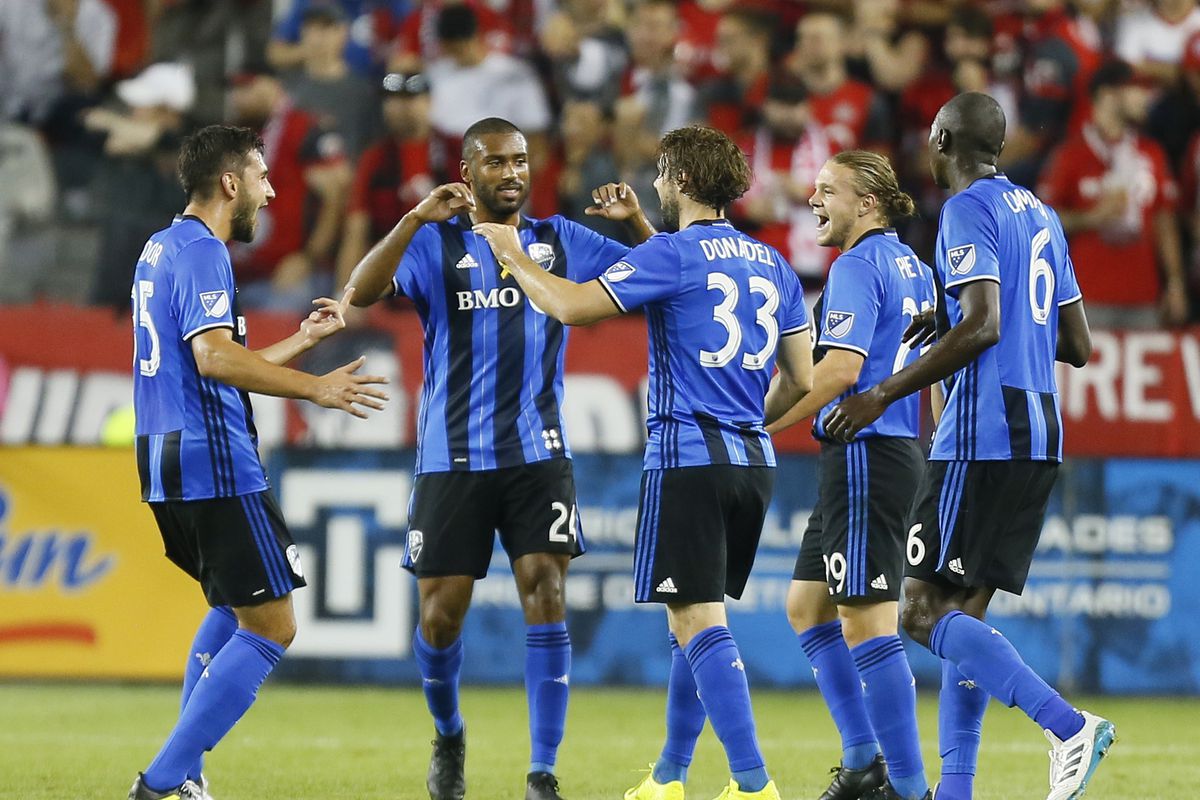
(670,212)
(241,226)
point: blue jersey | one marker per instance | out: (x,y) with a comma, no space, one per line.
(874,290)
(195,436)
(716,302)
(493,360)
(1004,404)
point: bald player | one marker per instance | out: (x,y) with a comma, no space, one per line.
(996,452)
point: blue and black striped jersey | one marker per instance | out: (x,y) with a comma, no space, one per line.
(1004,404)
(493,361)
(716,303)
(195,436)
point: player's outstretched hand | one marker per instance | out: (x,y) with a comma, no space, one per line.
(344,389)
(445,201)
(615,201)
(503,239)
(922,330)
(328,319)
(853,414)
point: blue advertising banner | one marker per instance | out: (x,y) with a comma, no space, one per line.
(1110,605)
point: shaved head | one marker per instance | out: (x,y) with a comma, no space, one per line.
(967,133)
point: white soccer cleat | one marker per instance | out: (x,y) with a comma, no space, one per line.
(1072,762)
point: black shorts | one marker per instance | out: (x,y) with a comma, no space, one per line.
(698,531)
(454,517)
(238,548)
(977,523)
(855,536)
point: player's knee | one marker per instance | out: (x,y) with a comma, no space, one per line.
(544,598)
(916,617)
(440,624)
(803,615)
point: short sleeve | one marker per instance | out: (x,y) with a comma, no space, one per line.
(202,292)
(967,243)
(588,253)
(1068,286)
(647,273)
(793,313)
(853,297)
(414,266)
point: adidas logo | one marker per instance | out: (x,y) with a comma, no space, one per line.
(467,262)
(204,658)
(956,566)
(738,664)
(432,681)
(968,684)
(667,587)
(879,583)
(565,680)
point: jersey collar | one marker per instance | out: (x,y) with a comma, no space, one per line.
(873,232)
(464,221)
(194,218)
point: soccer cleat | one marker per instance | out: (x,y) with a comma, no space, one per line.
(446,780)
(733,792)
(541,786)
(887,792)
(140,791)
(851,784)
(202,788)
(1072,762)
(650,789)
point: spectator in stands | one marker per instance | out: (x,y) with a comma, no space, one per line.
(286,264)
(852,113)
(885,53)
(1175,117)
(588,162)
(785,153)
(586,52)
(419,43)
(470,82)
(394,174)
(1116,196)
(27,196)
(325,86)
(1152,38)
(136,185)
(373,24)
(731,102)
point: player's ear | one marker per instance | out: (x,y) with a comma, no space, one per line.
(867,204)
(229,185)
(943,140)
(464,171)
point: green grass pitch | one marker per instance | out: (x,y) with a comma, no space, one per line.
(86,742)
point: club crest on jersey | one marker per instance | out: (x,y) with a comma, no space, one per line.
(961,259)
(543,254)
(839,323)
(216,304)
(293,557)
(619,272)
(415,541)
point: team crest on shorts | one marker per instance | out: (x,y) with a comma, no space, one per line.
(961,259)
(216,304)
(416,540)
(293,557)
(543,254)
(839,323)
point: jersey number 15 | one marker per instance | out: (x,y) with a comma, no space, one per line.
(142,292)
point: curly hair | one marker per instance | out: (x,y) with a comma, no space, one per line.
(873,174)
(707,165)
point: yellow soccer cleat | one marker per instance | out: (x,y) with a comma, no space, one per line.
(732,792)
(650,789)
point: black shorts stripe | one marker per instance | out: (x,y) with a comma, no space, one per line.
(1016,412)
(1050,414)
(261,543)
(460,370)
(710,429)
(172,467)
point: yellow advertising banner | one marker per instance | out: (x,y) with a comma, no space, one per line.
(85,590)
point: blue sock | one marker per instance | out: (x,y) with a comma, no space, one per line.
(547,667)
(983,655)
(838,681)
(721,679)
(214,631)
(685,719)
(439,678)
(218,701)
(890,695)
(961,705)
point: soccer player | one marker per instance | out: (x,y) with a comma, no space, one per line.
(721,308)
(1014,307)
(491,452)
(843,599)
(197,447)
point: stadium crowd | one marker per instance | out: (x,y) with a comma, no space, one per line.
(362,104)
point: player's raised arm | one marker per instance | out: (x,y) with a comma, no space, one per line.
(372,277)
(618,202)
(569,302)
(219,357)
(793,384)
